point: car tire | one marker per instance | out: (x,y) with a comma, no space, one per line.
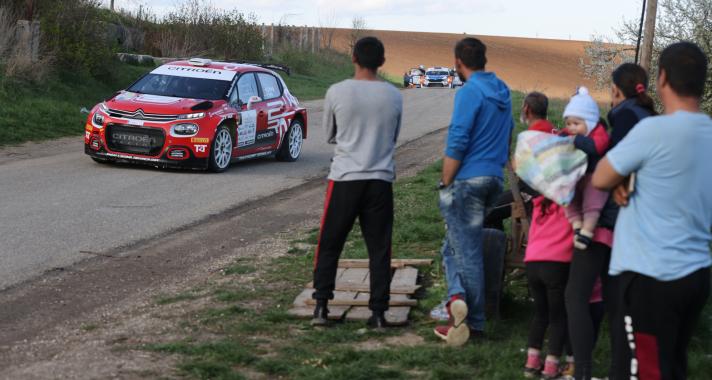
(220,150)
(292,143)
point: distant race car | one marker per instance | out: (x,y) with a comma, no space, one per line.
(456,81)
(416,77)
(437,77)
(199,114)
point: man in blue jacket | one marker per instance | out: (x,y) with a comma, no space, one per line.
(476,152)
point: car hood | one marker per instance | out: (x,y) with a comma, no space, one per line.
(164,105)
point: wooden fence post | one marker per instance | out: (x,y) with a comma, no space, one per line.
(271,40)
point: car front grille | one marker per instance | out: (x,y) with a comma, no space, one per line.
(140,115)
(135,140)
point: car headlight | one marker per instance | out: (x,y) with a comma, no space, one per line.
(197,115)
(184,129)
(98,119)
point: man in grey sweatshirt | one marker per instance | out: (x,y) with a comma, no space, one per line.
(362,116)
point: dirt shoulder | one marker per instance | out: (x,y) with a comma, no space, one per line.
(76,322)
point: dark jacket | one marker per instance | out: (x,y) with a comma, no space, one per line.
(622,119)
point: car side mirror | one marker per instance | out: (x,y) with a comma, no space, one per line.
(253,99)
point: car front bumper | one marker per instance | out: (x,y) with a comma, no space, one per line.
(162,161)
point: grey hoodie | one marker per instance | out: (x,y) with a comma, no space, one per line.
(363,119)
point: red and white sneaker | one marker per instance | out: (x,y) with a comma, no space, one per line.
(456,333)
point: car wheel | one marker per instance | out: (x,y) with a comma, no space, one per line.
(291,147)
(221,150)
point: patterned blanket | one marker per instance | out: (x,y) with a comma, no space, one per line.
(550,164)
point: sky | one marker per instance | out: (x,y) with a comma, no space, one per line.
(558,19)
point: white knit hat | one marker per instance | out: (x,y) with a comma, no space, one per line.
(584,107)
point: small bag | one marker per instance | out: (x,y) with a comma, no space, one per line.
(550,164)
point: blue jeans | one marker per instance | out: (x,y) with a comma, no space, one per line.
(463,206)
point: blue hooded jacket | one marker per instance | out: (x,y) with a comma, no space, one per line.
(481,127)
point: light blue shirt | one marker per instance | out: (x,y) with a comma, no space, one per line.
(665,231)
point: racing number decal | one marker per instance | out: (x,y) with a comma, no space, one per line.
(247,130)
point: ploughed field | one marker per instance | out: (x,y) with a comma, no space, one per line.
(526,64)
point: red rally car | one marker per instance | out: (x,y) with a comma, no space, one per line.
(198,114)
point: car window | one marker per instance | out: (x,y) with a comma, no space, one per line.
(270,86)
(247,87)
(181,87)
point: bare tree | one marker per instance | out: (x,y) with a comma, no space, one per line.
(678,20)
(358,28)
(327,26)
(601,58)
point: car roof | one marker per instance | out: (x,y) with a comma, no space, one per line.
(228,66)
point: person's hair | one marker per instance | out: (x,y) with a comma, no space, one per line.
(632,80)
(472,52)
(538,104)
(544,210)
(685,67)
(369,53)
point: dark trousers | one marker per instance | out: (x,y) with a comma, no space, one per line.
(586,267)
(661,316)
(547,283)
(372,202)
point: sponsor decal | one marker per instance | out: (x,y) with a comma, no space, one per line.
(128,157)
(125,96)
(88,127)
(142,141)
(200,148)
(200,140)
(195,72)
(87,135)
(156,99)
(265,135)
(254,155)
(247,130)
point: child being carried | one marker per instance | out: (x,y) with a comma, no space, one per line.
(589,134)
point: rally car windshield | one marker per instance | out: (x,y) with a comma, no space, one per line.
(437,73)
(181,87)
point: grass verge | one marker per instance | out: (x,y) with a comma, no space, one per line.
(51,109)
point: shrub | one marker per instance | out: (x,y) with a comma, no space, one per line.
(196,28)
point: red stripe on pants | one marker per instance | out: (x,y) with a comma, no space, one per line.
(329,191)
(648,355)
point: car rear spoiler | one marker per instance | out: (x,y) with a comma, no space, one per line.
(270,66)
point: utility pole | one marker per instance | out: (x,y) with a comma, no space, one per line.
(646,55)
(112,5)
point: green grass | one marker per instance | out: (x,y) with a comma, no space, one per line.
(51,109)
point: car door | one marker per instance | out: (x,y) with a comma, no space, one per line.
(246,89)
(275,109)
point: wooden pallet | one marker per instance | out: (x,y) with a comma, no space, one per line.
(352,292)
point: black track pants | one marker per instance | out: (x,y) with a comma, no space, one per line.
(660,317)
(547,283)
(586,267)
(372,202)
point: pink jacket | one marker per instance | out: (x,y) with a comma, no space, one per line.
(550,234)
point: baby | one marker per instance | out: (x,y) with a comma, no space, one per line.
(589,134)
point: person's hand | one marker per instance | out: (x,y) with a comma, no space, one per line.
(621,194)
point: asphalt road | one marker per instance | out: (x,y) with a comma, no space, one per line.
(58,207)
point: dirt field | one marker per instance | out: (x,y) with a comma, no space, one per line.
(550,66)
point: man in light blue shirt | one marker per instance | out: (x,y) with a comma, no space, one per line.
(661,247)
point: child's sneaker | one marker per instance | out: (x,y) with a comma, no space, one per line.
(457,332)
(582,240)
(568,370)
(551,370)
(533,367)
